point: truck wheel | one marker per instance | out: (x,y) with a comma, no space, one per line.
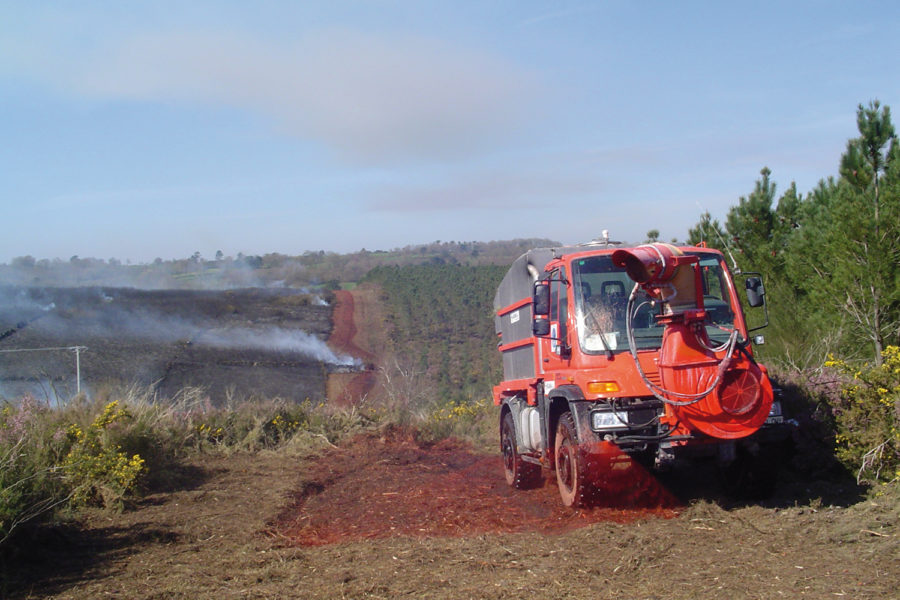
(751,477)
(571,464)
(519,474)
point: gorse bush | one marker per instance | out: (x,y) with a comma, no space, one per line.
(104,452)
(867,417)
(96,468)
(473,421)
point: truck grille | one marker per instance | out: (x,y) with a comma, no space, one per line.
(653,377)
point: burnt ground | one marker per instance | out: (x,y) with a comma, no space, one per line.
(236,343)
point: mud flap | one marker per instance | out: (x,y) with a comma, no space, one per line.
(581,412)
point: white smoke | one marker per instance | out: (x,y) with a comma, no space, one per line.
(276,338)
(110,319)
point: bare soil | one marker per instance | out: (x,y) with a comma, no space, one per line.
(359,332)
(386,517)
(379,487)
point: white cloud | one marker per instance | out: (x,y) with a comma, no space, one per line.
(372,98)
(490,190)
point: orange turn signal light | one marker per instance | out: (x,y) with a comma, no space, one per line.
(602,387)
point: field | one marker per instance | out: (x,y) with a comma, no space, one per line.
(387,514)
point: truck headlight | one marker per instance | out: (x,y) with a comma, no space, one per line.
(775,415)
(601,420)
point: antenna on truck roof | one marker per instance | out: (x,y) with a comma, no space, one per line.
(603,240)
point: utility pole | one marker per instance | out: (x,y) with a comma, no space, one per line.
(78,350)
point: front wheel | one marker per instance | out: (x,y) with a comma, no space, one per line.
(519,474)
(571,464)
(751,476)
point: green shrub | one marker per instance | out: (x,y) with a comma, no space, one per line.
(868,417)
(32,444)
(473,421)
(105,451)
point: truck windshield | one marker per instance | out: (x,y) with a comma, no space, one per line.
(601,301)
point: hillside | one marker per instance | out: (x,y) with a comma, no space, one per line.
(442,327)
(384,513)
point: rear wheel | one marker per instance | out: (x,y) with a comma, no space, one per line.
(571,464)
(519,474)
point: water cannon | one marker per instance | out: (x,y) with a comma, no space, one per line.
(707,387)
(649,264)
(665,273)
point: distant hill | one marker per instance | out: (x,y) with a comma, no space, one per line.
(309,270)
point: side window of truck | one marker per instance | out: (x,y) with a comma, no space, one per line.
(554,295)
(559,310)
(554,312)
(563,307)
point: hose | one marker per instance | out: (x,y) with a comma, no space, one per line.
(660,392)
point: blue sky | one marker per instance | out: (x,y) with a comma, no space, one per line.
(139,130)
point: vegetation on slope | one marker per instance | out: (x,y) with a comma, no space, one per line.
(107,451)
(442,326)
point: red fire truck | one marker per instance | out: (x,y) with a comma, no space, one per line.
(644,350)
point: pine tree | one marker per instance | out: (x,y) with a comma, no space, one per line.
(750,223)
(849,249)
(708,231)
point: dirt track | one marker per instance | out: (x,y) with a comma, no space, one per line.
(355,318)
(392,486)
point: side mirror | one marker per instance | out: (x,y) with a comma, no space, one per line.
(541,298)
(541,327)
(756,294)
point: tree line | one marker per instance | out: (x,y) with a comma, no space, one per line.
(831,258)
(312,268)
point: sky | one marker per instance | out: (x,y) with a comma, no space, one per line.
(137,130)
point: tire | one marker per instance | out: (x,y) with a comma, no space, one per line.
(571,464)
(751,477)
(519,474)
